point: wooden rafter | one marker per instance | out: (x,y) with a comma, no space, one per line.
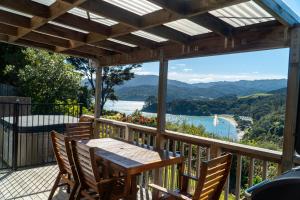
(268,37)
(89,38)
(41,14)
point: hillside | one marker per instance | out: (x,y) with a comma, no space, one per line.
(143,86)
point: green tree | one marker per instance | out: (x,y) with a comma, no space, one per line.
(48,78)
(83,65)
(112,77)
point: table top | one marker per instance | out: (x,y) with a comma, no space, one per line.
(131,158)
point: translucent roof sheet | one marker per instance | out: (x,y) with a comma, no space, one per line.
(188,27)
(45,2)
(15,12)
(149,36)
(139,7)
(68,27)
(243,14)
(121,42)
(93,17)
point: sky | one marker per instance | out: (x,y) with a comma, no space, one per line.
(271,64)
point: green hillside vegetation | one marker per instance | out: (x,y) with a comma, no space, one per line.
(256,95)
(266,110)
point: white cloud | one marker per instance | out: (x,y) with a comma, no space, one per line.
(205,78)
(187,70)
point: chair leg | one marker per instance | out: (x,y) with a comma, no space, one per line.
(54,186)
(74,191)
(68,186)
(78,196)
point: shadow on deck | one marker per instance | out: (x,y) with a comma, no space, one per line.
(36,183)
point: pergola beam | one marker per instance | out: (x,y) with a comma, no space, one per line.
(41,14)
(266,37)
(213,23)
(170,34)
(280,10)
(130,38)
(28,7)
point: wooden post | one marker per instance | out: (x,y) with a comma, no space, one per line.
(161,96)
(161,114)
(291,101)
(98,87)
(98,93)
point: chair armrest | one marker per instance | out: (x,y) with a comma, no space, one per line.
(169,192)
(109,180)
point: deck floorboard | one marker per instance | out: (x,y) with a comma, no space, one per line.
(36,183)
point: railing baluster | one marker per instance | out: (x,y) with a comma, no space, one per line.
(198,161)
(238,177)
(265,170)
(167,168)
(189,172)
(279,169)
(251,171)
(173,178)
(143,139)
(226,188)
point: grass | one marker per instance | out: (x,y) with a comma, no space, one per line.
(254,96)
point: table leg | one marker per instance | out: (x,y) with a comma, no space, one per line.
(130,187)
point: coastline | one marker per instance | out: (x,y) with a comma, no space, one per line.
(231,120)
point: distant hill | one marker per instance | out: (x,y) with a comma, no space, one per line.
(142,86)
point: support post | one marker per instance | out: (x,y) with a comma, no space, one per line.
(15,136)
(292,101)
(98,95)
(161,114)
(161,96)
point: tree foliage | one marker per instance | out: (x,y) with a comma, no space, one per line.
(83,65)
(111,78)
(48,78)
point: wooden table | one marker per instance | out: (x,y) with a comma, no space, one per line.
(131,159)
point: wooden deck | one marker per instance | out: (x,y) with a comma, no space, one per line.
(35,184)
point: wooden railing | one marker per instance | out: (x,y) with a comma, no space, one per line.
(248,159)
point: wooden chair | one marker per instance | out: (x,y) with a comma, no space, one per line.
(79,131)
(67,172)
(213,175)
(93,184)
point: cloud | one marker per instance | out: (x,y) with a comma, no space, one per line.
(205,78)
(187,70)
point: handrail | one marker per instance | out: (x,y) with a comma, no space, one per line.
(247,150)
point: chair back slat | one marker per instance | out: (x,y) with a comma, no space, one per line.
(213,176)
(81,130)
(85,163)
(62,152)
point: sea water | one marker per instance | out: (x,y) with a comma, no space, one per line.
(222,128)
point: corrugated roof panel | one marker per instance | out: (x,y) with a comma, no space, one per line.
(68,27)
(243,14)
(121,42)
(149,36)
(102,20)
(188,27)
(93,17)
(15,12)
(45,2)
(139,7)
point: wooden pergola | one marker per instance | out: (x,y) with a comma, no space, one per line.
(120,32)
